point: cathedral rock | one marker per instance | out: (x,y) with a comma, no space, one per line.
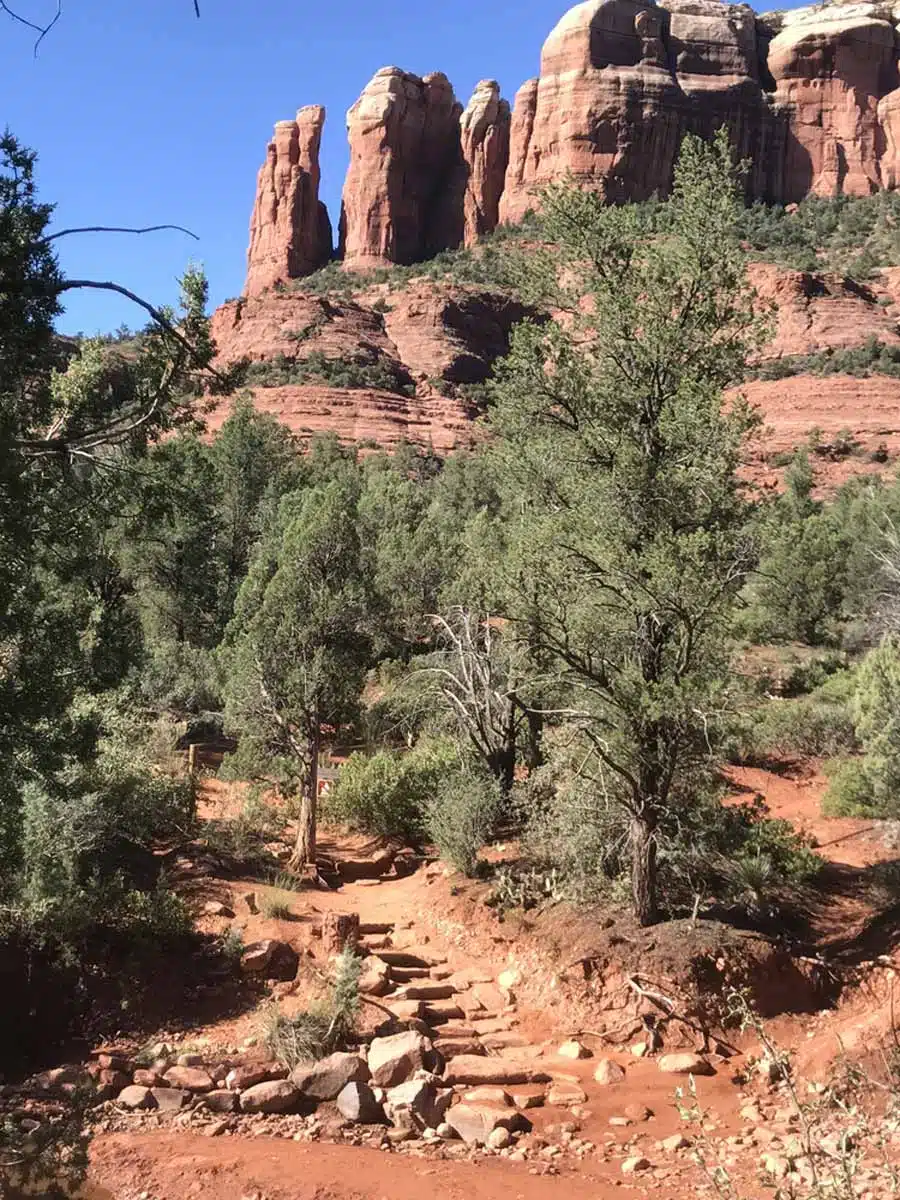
(811,97)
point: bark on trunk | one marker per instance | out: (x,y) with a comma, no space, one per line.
(305,846)
(643,871)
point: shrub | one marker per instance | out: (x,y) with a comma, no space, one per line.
(876,708)
(810,726)
(387,793)
(849,792)
(462,815)
(736,854)
(276,908)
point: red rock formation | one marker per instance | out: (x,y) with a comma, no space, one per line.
(484,135)
(605,109)
(290,234)
(402,196)
(830,68)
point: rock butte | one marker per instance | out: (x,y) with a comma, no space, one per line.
(811,97)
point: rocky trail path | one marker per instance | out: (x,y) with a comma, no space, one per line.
(470,1088)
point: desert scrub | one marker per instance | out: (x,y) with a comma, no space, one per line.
(349,371)
(325,1026)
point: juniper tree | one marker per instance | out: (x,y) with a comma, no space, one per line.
(296,651)
(619,458)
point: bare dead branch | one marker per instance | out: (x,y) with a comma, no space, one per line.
(119,229)
(68,285)
(40,30)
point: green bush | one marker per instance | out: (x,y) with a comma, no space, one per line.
(461,817)
(810,726)
(736,855)
(388,793)
(871,357)
(876,707)
(849,792)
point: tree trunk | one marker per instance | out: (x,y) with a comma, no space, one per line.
(305,846)
(339,930)
(643,871)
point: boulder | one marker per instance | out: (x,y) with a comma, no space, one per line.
(685,1064)
(392,1060)
(215,908)
(474,1123)
(191,1079)
(221,1100)
(326,1079)
(271,959)
(240,1078)
(273,1096)
(608,1072)
(169,1099)
(357,1102)
(375,978)
(135,1096)
(418,1103)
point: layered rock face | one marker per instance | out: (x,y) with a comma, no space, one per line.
(401,199)
(290,233)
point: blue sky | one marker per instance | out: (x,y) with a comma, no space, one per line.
(142,114)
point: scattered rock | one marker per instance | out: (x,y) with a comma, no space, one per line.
(608,1072)
(489,1095)
(249,898)
(135,1096)
(638,1112)
(273,1096)
(639,1049)
(685,1064)
(676,1142)
(631,1166)
(375,978)
(499,1139)
(189,1060)
(574,1049)
(392,1060)
(214,908)
(239,1078)
(327,1078)
(509,979)
(356,1102)
(418,1102)
(271,958)
(148,1079)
